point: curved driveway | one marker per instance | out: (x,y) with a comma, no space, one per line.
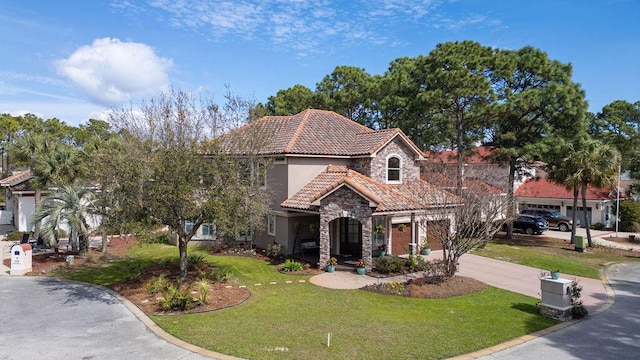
(612,334)
(44,318)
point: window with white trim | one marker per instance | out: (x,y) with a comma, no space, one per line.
(271,225)
(208,230)
(394,165)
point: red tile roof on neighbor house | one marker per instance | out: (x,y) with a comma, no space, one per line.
(480,155)
(416,195)
(311,132)
(544,188)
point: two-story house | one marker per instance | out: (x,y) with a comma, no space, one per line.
(348,187)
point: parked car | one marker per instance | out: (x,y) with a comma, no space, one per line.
(530,224)
(555,219)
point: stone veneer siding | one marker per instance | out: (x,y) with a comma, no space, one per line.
(331,208)
(410,167)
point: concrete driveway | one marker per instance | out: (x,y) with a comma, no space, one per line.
(44,318)
(613,334)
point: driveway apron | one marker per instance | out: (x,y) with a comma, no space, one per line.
(612,334)
(44,318)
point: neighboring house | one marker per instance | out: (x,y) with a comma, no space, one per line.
(335,181)
(19,201)
(490,200)
(477,165)
(545,194)
(20,204)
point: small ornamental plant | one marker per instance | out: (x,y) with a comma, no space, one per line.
(362,264)
(332,262)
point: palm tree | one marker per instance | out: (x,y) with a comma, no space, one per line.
(598,166)
(51,161)
(562,172)
(70,206)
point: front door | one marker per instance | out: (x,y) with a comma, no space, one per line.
(350,237)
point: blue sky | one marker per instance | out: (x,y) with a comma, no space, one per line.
(76,59)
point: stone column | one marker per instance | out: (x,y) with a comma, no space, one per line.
(325,245)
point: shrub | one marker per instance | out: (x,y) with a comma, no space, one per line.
(216,274)
(435,272)
(193,260)
(203,290)
(416,263)
(274,250)
(157,284)
(177,297)
(134,270)
(388,264)
(578,311)
(629,216)
(292,265)
(14,236)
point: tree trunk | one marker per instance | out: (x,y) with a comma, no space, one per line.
(182,244)
(460,158)
(37,200)
(574,216)
(586,216)
(510,197)
(105,243)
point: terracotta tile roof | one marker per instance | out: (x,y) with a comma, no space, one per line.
(16,178)
(480,155)
(544,188)
(311,132)
(387,198)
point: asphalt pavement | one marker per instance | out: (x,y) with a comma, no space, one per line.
(613,334)
(45,318)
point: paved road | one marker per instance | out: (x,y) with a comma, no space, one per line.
(613,334)
(43,318)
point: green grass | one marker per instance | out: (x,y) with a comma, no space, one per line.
(363,325)
(553,254)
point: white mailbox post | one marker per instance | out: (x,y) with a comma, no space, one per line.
(21,256)
(556,298)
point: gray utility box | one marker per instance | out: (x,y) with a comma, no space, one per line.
(21,256)
(556,298)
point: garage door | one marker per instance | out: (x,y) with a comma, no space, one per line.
(580,214)
(436,230)
(400,240)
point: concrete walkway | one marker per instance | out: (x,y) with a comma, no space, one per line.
(501,274)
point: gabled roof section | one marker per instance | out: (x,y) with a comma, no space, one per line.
(413,196)
(545,188)
(312,132)
(16,178)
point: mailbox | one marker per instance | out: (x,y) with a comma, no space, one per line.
(21,256)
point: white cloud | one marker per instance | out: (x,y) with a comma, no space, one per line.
(112,72)
(306,27)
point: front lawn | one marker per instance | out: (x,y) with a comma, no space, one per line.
(291,320)
(549,253)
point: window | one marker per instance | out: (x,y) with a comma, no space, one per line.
(280,160)
(271,225)
(188,226)
(207,230)
(393,169)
